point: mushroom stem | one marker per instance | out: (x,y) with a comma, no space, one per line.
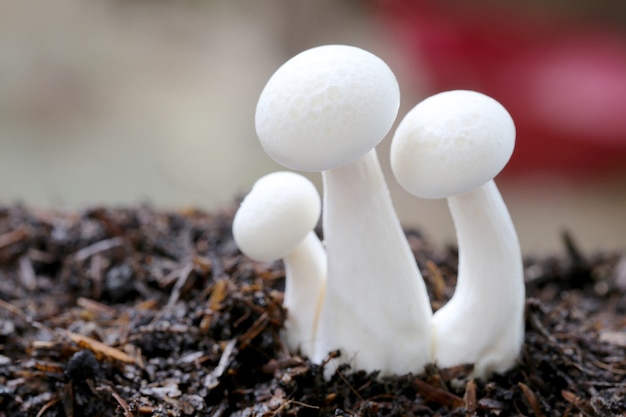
(488,302)
(376,308)
(306,264)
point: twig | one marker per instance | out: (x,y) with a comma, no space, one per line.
(7,239)
(47,406)
(19,313)
(122,402)
(212,380)
(98,247)
(183,276)
(254,330)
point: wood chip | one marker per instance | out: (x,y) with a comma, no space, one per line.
(100,349)
(218,294)
(95,306)
(577,402)
(7,239)
(470,397)
(531,399)
(438,395)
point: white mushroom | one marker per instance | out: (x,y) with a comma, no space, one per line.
(325,110)
(276,220)
(452,145)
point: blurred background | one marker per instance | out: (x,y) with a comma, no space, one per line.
(129,101)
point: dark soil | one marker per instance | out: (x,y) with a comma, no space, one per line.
(143,313)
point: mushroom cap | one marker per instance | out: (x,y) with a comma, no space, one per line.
(326,107)
(277,214)
(450,143)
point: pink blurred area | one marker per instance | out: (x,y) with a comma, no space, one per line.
(562,78)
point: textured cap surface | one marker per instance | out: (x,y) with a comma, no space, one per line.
(450,143)
(326,107)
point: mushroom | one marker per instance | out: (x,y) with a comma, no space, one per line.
(325,110)
(276,220)
(452,145)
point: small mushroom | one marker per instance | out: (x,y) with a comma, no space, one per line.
(452,145)
(276,221)
(325,110)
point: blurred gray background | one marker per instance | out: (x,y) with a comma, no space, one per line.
(125,102)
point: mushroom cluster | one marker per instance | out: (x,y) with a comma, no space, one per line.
(361,291)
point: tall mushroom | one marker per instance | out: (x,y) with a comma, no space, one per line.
(452,145)
(325,110)
(276,221)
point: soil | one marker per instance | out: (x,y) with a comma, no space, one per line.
(137,312)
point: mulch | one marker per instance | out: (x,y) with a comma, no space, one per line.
(139,312)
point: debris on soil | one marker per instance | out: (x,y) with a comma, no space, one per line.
(137,312)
